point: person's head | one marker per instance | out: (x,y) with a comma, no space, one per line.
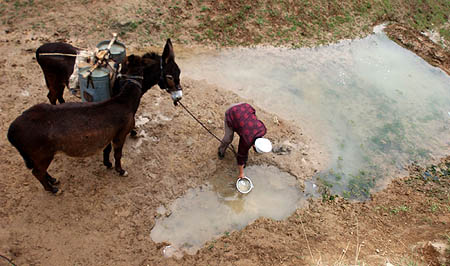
(262,145)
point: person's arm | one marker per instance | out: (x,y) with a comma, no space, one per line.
(241,171)
(242,156)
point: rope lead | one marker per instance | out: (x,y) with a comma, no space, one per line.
(231,147)
(7,259)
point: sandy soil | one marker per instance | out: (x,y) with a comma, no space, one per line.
(104,219)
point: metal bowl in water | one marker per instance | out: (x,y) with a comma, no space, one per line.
(244,185)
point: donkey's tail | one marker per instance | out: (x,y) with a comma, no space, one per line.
(12,133)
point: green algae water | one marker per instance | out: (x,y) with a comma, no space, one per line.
(375,106)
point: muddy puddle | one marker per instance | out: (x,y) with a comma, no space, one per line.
(375,106)
(217,209)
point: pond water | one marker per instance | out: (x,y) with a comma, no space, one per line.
(217,208)
(375,106)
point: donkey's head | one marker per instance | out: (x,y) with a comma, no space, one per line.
(133,69)
(133,65)
(168,72)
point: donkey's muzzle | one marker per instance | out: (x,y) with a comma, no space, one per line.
(176,95)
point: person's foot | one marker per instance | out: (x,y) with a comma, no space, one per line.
(221,155)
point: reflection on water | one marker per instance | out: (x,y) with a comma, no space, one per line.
(216,209)
(373,104)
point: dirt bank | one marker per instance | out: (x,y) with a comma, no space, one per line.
(434,53)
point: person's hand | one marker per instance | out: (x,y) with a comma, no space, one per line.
(241,171)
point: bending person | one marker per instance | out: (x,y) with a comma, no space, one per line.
(241,118)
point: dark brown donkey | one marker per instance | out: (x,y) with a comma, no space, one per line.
(57,61)
(79,129)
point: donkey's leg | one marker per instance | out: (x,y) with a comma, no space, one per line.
(106,153)
(60,92)
(52,97)
(118,145)
(133,132)
(40,175)
(50,81)
(40,172)
(51,180)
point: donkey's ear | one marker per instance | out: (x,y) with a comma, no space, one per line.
(168,53)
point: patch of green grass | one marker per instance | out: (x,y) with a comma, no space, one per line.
(384,208)
(363,8)
(279,22)
(204,9)
(210,34)
(434,207)
(387,5)
(445,33)
(399,209)
(196,36)
(428,14)
(19,4)
(124,28)
(260,21)
(411,263)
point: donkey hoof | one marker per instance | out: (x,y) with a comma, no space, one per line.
(123,173)
(54,181)
(54,190)
(133,133)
